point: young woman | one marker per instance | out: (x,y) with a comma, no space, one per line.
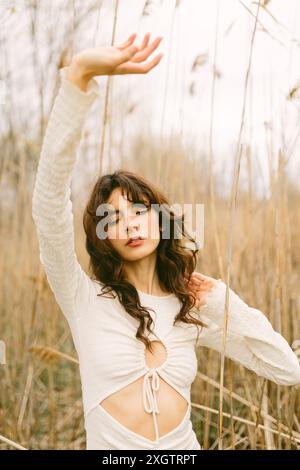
(135,322)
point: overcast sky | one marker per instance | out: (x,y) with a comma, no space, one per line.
(189,30)
(275,70)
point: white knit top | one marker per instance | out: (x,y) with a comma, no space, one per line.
(109,354)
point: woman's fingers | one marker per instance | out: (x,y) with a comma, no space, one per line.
(146,50)
(131,56)
(196,282)
(200,285)
(150,65)
(131,39)
(145,41)
(126,55)
(133,67)
(198,279)
(200,288)
(193,281)
(198,276)
(128,42)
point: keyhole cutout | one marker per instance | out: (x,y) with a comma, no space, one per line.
(159,355)
(125,408)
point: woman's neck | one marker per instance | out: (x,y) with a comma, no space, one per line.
(143,275)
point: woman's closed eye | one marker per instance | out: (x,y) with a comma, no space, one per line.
(138,211)
(140,208)
(142,211)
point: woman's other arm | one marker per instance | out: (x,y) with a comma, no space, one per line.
(251,339)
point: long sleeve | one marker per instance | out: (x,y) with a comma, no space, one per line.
(51,204)
(251,339)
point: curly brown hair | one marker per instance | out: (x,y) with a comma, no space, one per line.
(175,263)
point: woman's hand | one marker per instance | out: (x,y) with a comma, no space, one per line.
(113,60)
(200,286)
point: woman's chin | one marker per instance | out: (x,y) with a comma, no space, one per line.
(138,252)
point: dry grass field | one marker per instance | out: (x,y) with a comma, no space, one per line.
(253,238)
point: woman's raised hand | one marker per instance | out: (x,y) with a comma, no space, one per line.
(113,60)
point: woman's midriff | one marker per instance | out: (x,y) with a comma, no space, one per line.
(126,405)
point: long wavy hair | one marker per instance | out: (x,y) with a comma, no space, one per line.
(175,263)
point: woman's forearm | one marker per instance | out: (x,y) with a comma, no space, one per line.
(251,340)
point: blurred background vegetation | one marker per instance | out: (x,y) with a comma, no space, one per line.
(253,233)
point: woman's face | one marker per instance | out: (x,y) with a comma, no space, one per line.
(128,220)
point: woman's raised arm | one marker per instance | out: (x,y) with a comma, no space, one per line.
(51,204)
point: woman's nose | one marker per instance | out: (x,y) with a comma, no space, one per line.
(133,223)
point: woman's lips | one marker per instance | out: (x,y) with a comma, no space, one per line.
(134,243)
